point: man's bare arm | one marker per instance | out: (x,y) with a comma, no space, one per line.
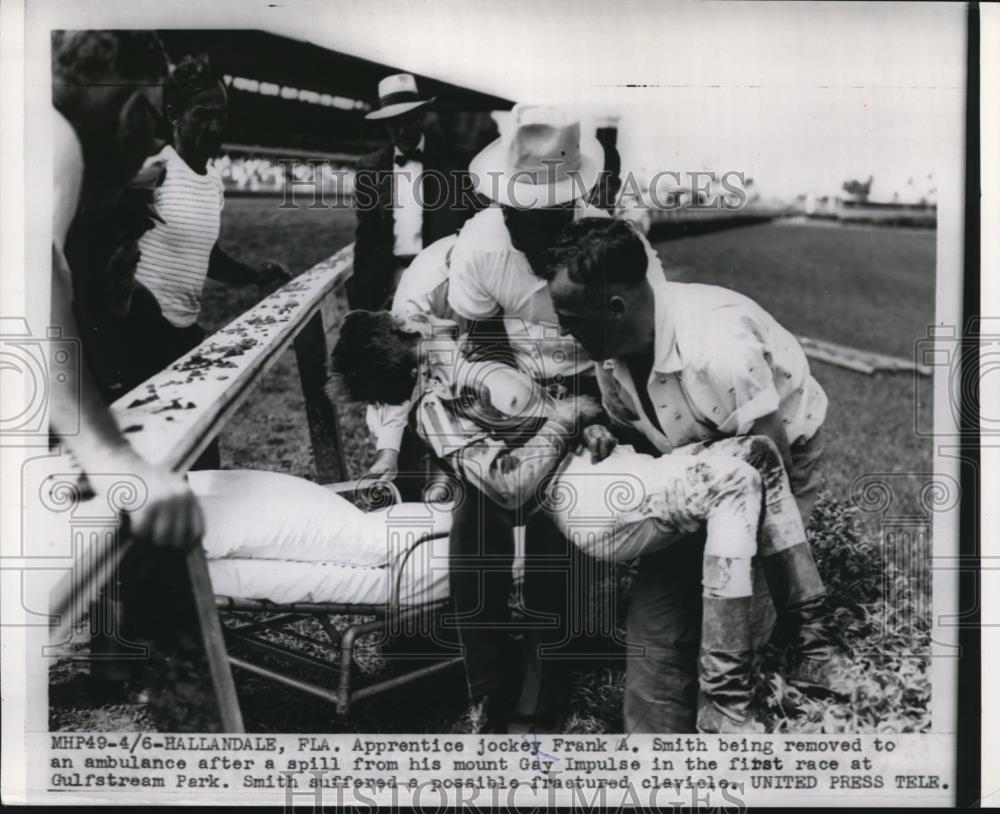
(486,338)
(227,269)
(171,515)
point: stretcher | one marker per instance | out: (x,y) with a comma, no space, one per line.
(264,603)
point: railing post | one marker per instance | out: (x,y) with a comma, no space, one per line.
(230,716)
(170,610)
(321,412)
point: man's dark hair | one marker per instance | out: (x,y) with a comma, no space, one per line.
(193,74)
(371,362)
(85,57)
(597,252)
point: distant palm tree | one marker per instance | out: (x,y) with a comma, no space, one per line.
(859,190)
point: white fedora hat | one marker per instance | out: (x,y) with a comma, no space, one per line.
(540,160)
(397,94)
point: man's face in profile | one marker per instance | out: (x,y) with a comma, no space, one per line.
(581,314)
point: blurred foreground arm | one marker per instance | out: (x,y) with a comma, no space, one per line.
(170,515)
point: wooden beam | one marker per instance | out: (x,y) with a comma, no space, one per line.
(173,416)
(214,379)
(231,719)
(861,360)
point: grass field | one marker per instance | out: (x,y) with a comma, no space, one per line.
(870,288)
(865,287)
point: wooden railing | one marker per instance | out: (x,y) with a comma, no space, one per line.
(171,418)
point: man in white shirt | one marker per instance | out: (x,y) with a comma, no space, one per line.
(422,291)
(411,193)
(685,365)
(538,174)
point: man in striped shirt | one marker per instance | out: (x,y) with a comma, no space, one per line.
(182,250)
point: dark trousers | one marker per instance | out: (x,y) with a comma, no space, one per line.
(664,619)
(480,566)
(555,592)
(664,636)
(156,344)
(124,351)
(419,470)
(148,344)
(373,287)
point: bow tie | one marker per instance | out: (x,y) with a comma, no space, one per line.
(406,158)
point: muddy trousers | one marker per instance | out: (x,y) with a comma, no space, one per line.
(736,493)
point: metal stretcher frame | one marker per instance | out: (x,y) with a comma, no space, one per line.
(171,419)
(341,688)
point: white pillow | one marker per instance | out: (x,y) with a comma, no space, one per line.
(269,515)
(259,515)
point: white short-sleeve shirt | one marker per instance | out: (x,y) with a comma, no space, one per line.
(721,362)
(489,277)
(422,291)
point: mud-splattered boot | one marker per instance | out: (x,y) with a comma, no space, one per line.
(811,661)
(726,667)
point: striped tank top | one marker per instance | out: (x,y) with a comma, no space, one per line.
(175,253)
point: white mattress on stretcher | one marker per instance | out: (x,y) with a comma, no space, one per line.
(285,539)
(425,579)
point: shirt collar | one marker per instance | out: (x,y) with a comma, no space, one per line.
(420,146)
(666,359)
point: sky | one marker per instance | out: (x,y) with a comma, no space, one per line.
(800,96)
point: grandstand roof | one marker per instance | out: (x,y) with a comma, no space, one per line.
(285,61)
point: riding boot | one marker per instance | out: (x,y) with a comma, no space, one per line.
(726,667)
(812,663)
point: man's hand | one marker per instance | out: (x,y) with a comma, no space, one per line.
(271,271)
(385,467)
(600,441)
(170,517)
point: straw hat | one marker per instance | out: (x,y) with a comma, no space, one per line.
(397,94)
(540,160)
